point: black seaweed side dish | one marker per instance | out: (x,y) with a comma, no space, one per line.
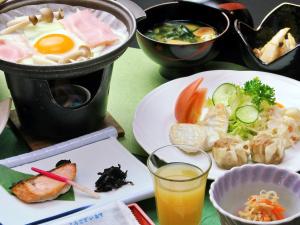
(111,178)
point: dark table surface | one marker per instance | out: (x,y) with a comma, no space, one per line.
(257,8)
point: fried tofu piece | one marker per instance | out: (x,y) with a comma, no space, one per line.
(188,134)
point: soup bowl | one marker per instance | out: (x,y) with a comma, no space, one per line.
(284,15)
(229,192)
(177,60)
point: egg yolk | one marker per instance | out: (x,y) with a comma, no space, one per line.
(54,44)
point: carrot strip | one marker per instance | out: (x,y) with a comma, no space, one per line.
(263,207)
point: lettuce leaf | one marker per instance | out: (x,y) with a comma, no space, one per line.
(254,92)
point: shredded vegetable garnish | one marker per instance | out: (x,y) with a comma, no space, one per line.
(263,207)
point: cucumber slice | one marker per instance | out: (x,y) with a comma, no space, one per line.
(247,114)
(223,93)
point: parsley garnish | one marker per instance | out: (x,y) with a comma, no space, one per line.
(259,92)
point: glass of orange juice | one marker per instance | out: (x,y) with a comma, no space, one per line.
(179,182)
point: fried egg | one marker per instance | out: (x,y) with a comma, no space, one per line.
(71,39)
(52,38)
(52,41)
(55,43)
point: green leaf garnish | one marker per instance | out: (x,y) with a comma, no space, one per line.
(259,92)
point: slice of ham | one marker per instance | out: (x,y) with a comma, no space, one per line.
(14,51)
(89,28)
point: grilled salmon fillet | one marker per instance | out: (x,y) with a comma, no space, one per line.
(41,188)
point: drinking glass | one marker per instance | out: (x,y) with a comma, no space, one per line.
(179,183)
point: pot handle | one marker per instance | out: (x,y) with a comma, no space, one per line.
(136,10)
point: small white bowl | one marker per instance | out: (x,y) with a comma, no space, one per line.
(229,192)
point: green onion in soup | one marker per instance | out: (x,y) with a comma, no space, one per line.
(180,32)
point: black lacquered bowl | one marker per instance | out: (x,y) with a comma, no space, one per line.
(181,60)
(284,15)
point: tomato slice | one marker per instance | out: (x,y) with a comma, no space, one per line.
(184,100)
(196,104)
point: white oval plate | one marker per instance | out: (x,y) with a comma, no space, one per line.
(155,114)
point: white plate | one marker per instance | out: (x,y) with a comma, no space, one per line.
(90,160)
(4,113)
(155,113)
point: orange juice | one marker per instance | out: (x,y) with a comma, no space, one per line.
(179,199)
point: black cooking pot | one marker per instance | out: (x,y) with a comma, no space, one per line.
(65,101)
(74,69)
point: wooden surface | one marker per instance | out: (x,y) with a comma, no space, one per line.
(35,143)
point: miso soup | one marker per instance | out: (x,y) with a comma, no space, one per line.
(181,32)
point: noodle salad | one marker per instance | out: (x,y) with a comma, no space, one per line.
(264,207)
